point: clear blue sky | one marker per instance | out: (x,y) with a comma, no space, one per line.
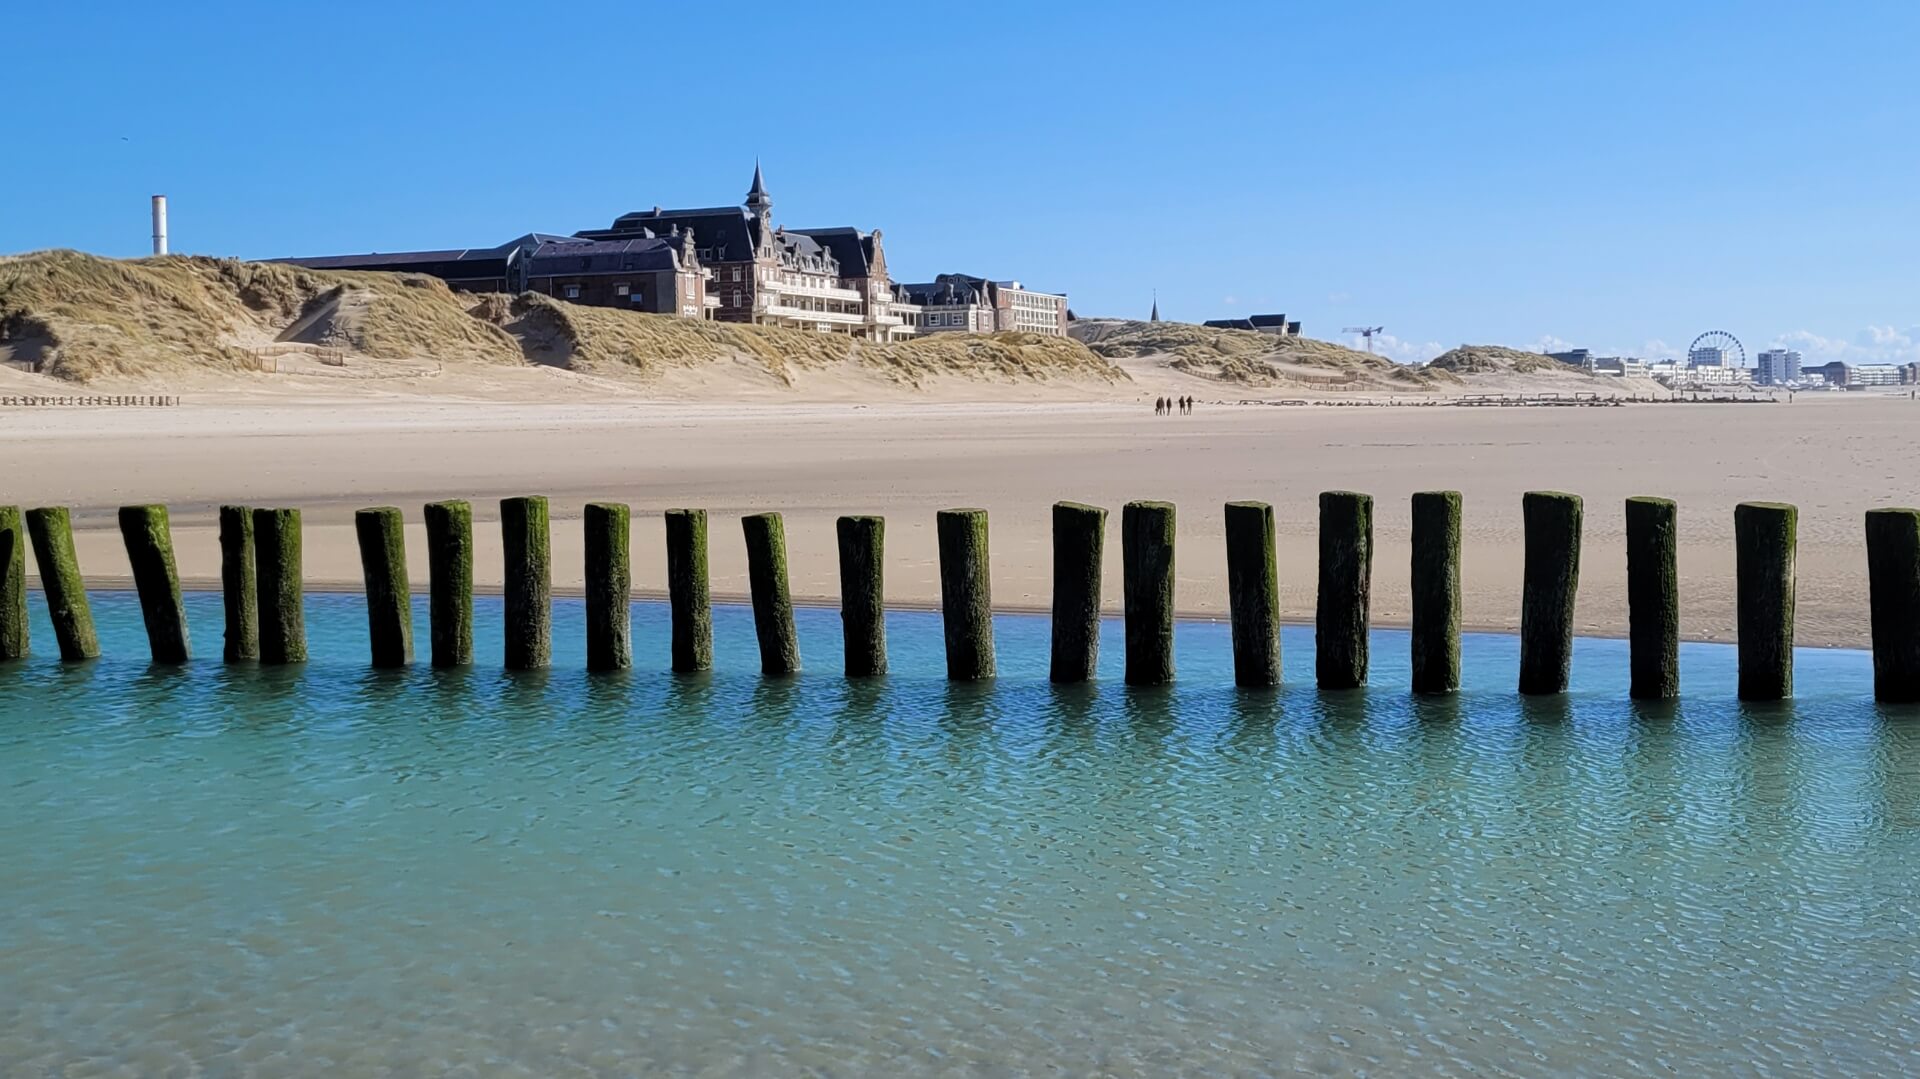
(1612,175)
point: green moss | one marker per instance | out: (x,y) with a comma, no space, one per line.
(1079,536)
(450,582)
(277,569)
(766,538)
(688,591)
(149,542)
(382,532)
(609,579)
(525,541)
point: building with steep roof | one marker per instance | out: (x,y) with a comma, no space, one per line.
(832,280)
(961,302)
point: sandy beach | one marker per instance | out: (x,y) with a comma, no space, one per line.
(1014,453)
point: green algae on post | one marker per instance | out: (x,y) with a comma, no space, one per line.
(1342,601)
(1146,554)
(609,580)
(149,541)
(383,566)
(966,594)
(277,558)
(688,591)
(450,582)
(1079,535)
(863,626)
(766,538)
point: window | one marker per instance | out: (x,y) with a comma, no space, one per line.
(620,289)
(573,292)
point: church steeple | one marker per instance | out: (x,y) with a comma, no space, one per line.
(1155,317)
(759,203)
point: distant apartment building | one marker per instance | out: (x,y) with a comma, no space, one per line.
(1859,376)
(959,302)
(1709,356)
(1777,367)
(1276,325)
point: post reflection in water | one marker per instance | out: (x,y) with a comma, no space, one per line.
(426,871)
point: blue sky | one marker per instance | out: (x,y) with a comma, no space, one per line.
(1620,176)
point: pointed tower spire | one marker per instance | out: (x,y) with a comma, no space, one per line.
(758,201)
(1156,307)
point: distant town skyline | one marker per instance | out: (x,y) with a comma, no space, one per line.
(1616,179)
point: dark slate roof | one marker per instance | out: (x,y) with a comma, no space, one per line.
(852,250)
(726,229)
(425,261)
(1268,320)
(1228,324)
(943,293)
(759,185)
(574,257)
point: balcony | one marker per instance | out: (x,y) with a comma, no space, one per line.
(818,292)
(804,314)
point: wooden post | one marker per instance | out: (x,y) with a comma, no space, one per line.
(1653,599)
(524,540)
(450,582)
(13,584)
(239,587)
(1343,599)
(51,531)
(1079,537)
(862,590)
(1253,594)
(1551,577)
(383,565)
(966,594)
(609,575)
(1146,555)
(149,542)
(1436,591)
(1893,584)
(277,556)
(772,607)
(1763,535)
(687,591)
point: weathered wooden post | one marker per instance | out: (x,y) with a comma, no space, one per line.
(1146,555)
(1893,584)
(149,542)
(1079,537)
(382,532)
(525,544)
(277,559)
(1436,591)
(1253,594)
(450,582)
(772,605)
(1653,599)
(966,593)
(13,584)
(1763,536)
(1550,578)
(862,594)
(1343,598)
(239,587)
(687,591)
(51,531)
(609,576)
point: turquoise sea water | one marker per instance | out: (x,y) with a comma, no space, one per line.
(331,871)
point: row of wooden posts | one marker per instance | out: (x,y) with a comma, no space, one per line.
(265,621)
(118,401)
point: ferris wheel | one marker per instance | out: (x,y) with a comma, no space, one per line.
(1716,348)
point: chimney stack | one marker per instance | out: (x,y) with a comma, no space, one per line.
(159,224)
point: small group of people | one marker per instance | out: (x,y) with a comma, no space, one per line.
(1166,406)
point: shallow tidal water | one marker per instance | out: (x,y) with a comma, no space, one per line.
(328,870)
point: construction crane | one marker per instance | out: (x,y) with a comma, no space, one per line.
(1366,332)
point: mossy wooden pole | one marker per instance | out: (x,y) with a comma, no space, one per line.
(382,532)
(525,541)
(609,575)
(687,591)
(450,582)
(1146,556)
(1893,585)
(1253,594)
(1343,599)
(966,594)
(149,542)
(277,556)
(766,538)
(51,531)
(239,586)
(1436,591)
(1763,537)
(1549,580)
(1653,599)
(862,594)
(1079,539)
(13,584)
